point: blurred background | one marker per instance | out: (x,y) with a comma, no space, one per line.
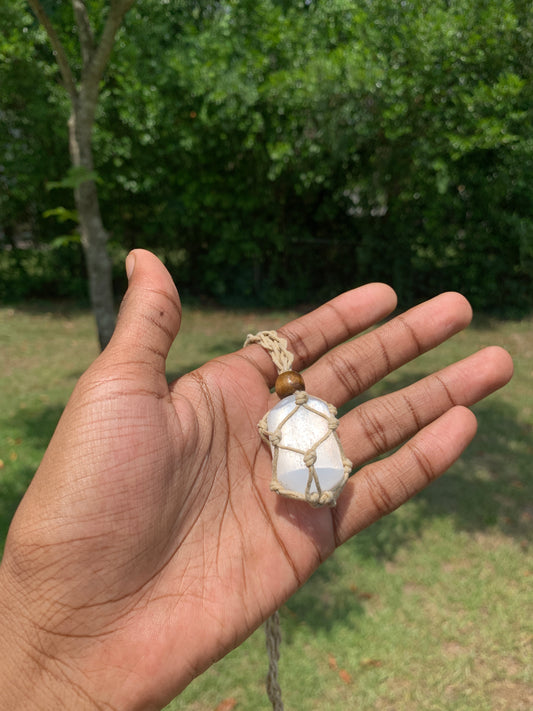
(277,152)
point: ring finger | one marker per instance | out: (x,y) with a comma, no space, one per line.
(379,425)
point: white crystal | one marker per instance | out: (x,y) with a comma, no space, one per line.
(302,431)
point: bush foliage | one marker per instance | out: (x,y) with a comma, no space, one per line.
(277,152)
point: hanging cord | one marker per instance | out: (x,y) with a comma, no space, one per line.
(282,358)
(273,641)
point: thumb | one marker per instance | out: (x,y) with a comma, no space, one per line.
(150,314)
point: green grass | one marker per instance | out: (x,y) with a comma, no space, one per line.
(431,608)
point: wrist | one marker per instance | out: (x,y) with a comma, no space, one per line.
(30,675)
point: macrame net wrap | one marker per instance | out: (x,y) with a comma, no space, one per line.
(314,494)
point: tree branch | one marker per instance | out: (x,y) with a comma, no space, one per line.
(57,47)
(100,58)
(85,31)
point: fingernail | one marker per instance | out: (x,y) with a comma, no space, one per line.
(130,264)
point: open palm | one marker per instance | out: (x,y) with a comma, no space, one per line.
(149,544)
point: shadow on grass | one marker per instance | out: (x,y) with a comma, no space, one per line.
(34,428)
(324,603)
(490,487)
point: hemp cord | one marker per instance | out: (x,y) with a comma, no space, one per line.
(282,358)
(276,347)
(273,641)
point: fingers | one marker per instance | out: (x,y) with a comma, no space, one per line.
(150,314)
(313,334)
(381,487)
(383,423)
(355,366)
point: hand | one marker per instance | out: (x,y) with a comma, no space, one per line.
(149,544)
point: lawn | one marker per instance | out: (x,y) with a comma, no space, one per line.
(430,609)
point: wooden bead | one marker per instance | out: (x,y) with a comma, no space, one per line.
(288,383)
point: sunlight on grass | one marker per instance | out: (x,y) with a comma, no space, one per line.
(429,609)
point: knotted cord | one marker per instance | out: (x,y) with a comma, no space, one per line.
(276,346)
(273,641)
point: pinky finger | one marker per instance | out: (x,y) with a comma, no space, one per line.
(381,487)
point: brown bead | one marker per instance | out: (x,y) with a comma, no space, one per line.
(288,383)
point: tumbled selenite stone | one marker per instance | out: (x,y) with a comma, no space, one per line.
(295,470)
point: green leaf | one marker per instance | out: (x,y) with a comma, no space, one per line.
(63,214)
(64,240)
(74,178)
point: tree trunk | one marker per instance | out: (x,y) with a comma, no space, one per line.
(99,269)
(94,59)
(94,237)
